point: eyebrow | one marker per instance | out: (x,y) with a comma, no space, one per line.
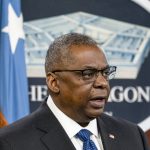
(93,67)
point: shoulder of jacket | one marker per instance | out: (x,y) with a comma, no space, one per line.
(117,122)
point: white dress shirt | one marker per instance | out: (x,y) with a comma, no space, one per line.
(72,128)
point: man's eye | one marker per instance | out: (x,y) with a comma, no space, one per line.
(88,73)
(106,72)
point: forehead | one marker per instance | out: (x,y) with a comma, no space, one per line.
(87,56)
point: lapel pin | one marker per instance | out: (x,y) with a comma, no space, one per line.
(111,136)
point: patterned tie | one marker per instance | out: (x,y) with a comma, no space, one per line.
(84,136)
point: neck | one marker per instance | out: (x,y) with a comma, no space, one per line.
(83,124)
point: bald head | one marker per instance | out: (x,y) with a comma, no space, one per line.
(59,53)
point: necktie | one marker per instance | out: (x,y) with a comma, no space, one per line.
(84,136)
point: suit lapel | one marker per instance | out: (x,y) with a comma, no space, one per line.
(57,140)
(54,137)
(109,136)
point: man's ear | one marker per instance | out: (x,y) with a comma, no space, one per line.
(52,82)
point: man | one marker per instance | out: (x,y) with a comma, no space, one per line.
(77,76)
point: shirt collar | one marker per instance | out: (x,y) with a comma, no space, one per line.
(70,126)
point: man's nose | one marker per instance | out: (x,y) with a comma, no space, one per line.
(101,81)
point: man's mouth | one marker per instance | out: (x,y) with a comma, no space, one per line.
(98,102)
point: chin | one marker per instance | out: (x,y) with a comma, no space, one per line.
(95,114)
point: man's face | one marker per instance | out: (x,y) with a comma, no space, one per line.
(79,99)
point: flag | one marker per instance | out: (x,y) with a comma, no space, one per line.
(14,102)
(3,121)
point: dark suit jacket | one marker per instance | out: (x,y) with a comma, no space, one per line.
(42,131)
